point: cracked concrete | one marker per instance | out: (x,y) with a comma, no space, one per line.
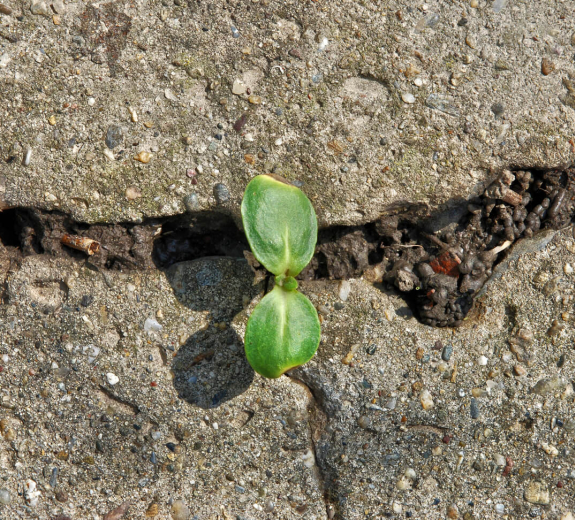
(118,379)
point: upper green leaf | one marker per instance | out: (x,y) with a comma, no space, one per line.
(283,332)
(280,224)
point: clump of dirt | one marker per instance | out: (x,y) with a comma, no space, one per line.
(441,273)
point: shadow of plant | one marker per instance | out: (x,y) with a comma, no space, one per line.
(211,367)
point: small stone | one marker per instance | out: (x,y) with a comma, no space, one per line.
(567,516)
(501,65)
(240,123)
(440,103)
(39,8)
(498,109)
(470,41)
(56,20)
(519,371)
(499,459)
(4,9)
(474,4)
(133,114)
(363,422)
(221,193)
(295,52)
(58,6)
(551,450)
(452,511)
(191,202)
(478,465)
(152,510)
(109,154)
(54,478)
(407,97)
(28,157)
(255,100)
(568,269)
(52,120)
(143,157)
(447,352)
(536,493)
(498,5)
(5,497)
(62,455)
(112,378)
(403,484)
(547,67)
(31,494)
(426,400)
(114,136)
(344,290)
(133,193)
(474,408)
(548,385)
(4,60)
(61,496)
(235,32)
(482,361)
(239,88)
(180,510)
(170,95)
(118,512)
(151,325)
(500,509)
(91,101)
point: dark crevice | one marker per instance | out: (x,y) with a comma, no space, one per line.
(438,260)
(135,409)
(317,422)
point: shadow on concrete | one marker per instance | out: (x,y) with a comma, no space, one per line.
(211,367)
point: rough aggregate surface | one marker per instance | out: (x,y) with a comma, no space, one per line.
(124,392)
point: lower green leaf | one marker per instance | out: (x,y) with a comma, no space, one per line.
(283,332)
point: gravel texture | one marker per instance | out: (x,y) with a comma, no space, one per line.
(125,394)
(453,91)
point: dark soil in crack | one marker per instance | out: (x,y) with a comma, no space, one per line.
(441,273)
(438,273)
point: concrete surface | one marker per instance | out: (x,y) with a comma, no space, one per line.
(133,385)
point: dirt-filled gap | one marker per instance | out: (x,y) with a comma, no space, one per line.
(438,272)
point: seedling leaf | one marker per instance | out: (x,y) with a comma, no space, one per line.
(283,332)
(280,225)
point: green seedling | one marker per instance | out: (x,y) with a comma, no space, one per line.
(283,331)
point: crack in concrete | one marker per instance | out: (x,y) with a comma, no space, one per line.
(438,261)
(317,422)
